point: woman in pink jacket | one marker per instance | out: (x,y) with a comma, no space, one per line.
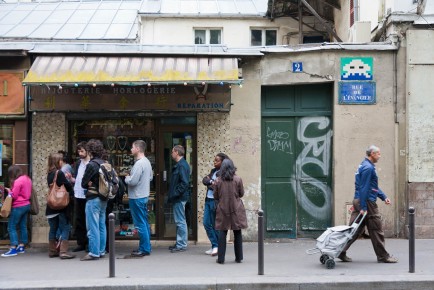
(21,190)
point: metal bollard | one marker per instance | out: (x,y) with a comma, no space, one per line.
(260,242)
(111,245)
(411,238)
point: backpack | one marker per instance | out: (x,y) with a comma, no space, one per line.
(108,180)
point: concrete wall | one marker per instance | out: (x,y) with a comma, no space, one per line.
(235,32)
(420,113)
(355,127)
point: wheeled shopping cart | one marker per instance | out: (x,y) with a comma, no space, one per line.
(331,243)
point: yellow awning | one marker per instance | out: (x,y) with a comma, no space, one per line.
(130,70)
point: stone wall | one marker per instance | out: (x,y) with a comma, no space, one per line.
(421,197)
(212,138)
(48,136)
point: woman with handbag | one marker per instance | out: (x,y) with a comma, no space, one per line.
(58,219)
(21,190)
(230,213)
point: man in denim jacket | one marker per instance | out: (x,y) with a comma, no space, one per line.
(365,201)
(179,192)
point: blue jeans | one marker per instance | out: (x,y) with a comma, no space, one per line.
(181,224)
(139,212)
(59,226)
(209,222)
(95,224)
(18,217)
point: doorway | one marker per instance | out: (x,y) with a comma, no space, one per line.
(296,159)
(168,137)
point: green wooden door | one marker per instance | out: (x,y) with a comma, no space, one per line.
(279,151)
(296,159)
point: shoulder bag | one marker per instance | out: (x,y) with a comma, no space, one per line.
(34,203)
(58,196)
(6,207)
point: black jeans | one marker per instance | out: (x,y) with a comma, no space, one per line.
(238,245)
(80,221)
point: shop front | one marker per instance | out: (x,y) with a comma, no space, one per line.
(163,114)
(13,133)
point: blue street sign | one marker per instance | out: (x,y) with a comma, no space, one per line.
(297,67)
(357,93)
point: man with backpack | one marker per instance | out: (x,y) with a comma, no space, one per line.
(96,204)
(138,182)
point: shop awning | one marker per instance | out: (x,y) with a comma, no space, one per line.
(131,70)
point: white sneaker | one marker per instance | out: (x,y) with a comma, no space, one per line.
(214,252)
(209,252)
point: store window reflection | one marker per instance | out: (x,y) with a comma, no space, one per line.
(6,160)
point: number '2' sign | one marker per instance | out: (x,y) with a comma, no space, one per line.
(297,67)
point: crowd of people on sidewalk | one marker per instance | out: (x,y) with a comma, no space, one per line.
(223,210)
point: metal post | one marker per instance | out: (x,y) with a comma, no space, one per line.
(411,241)
(112,245)
(260,242)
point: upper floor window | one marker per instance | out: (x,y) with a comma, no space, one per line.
(263,37)
(207,36)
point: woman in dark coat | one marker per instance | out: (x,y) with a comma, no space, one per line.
(230,214)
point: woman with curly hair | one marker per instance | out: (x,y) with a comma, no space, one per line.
(96,205)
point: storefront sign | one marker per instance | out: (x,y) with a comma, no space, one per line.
(131,98)
(11,93)
(358,93)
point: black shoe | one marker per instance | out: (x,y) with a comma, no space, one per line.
(137,254)
(172,247)
(78,249)
(177,250)
(238,261)
(219,262)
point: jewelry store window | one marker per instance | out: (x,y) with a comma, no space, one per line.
(6,160)
(117,137)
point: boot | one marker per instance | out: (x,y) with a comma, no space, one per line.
(53,251)
(64,246)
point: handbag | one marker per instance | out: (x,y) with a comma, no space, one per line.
(34,203)
(6,207)
(58,196)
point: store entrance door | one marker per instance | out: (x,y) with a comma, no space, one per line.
(169,136)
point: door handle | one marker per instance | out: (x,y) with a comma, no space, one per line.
(164,175)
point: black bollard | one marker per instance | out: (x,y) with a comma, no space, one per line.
(260,242)
(411,238)
(112,245)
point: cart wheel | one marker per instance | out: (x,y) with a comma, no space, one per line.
(323,258)
(330,264)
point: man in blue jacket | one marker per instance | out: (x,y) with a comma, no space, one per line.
(365,201)
(179,192)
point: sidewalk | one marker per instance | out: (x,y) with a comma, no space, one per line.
(287,266)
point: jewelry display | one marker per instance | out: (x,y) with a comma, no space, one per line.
(117,136)
(111,144)
(122,143)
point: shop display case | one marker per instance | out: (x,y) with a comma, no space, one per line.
(117,137)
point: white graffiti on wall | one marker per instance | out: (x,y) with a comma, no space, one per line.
(279,141)
(319,149)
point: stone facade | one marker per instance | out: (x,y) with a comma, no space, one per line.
(48,136)
(421,195)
